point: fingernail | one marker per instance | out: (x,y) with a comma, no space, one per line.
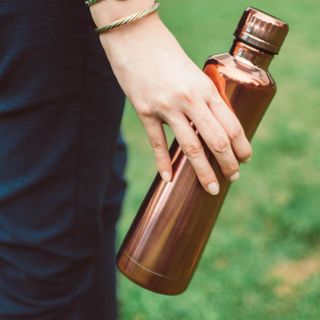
(213,188)
(235,176)
(247,160)
(165,175)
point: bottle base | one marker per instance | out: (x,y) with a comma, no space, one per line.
(149,279)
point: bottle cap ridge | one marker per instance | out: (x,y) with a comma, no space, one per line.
(261,30)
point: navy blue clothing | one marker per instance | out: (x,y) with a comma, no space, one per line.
(61,164)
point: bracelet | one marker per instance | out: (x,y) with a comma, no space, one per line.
(132,18)
(89,3)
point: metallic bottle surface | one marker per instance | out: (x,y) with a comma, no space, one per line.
(173,224)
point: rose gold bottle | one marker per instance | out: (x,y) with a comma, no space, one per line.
(169,233)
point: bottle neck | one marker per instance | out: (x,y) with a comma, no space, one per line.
(249,54)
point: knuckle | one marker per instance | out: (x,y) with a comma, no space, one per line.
(205,177)
(192,150)
(157,145)
(247,154)
(144,110)
(220,144)
(163,108)
(236,133)
(233,167)
(185,96)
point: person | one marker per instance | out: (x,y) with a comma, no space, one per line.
(61,153)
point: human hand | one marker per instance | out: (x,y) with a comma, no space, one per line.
(165,86)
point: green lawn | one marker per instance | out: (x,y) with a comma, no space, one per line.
(263,258)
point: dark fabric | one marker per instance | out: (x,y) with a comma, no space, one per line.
(104,273)
(60,109)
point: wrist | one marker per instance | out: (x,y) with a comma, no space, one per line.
(126,40)
(105,12)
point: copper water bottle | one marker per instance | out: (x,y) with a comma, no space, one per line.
(173,224)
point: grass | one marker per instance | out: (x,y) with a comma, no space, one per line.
(271,218)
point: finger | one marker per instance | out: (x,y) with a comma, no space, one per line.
(232,126)
(216,139)
(159,145)
(192,148)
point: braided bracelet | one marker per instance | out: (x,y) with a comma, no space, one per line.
(132,18)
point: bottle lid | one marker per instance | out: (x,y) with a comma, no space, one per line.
(261,30)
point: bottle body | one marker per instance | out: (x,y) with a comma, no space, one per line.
(173,224)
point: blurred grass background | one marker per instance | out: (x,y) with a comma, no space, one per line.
(263,258)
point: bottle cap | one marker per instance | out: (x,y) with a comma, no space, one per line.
(261,30)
